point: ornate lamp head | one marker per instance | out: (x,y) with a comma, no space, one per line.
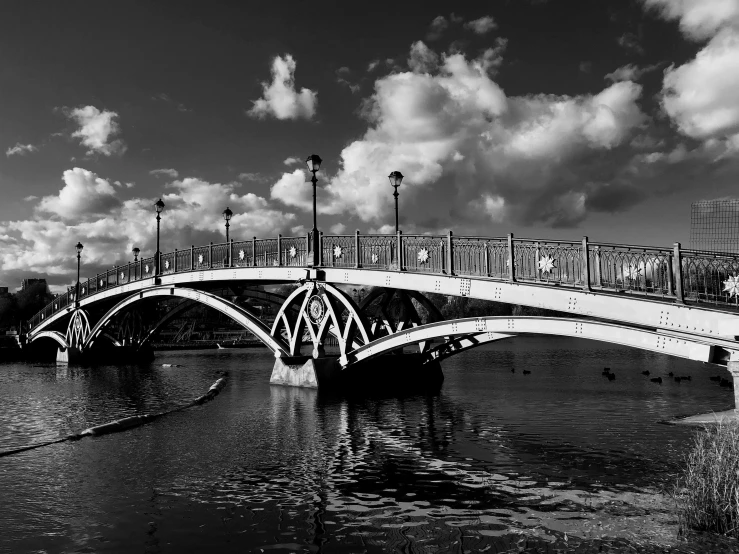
(314,162)
(396,177)
(159,206)
(227,214)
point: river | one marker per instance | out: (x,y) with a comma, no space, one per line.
(561,459)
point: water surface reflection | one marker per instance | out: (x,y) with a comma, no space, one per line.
(557,460)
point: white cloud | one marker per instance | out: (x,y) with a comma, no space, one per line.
(96,129)
(460,141)
(292,189)
(87,209)
(280,99)
(292,161)
(30,198)
(372,65)
(699,19)
(630,42)
(20,149)
(168,172)
(701,96)
(84,195)
(482,25)
(337,229)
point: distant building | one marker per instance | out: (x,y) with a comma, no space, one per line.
(25,283)
(714,225)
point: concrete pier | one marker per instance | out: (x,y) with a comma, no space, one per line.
(386,374)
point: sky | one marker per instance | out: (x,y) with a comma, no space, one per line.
(545,118)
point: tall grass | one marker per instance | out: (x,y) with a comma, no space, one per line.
(707,490)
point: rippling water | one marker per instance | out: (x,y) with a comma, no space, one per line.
(561,459)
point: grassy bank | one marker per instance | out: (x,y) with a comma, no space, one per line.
(707,490)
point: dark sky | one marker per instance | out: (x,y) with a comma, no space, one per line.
(557,118)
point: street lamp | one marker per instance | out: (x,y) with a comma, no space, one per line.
(227,215)
(314,164)
(136,251)
(159,206)
(396,177)
(79,248)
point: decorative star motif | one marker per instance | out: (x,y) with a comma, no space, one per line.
(338,251)
(146,268)
(200,258)
(547,264)
(375,257)
(731,286)
(293,252)
(241,254)
(632,272)
(275,263)
(423,256)
(83,290)
(101,282)
(123,276)
(166,264)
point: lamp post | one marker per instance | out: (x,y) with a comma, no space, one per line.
(227,215)
(136,251)
(79,248)
(314,164)
(396,177)
(159,206)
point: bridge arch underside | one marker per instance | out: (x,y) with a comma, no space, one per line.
(191,298)
(463,334)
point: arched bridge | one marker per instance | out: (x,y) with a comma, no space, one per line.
(670,300)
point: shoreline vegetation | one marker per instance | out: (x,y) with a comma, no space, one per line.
(706,492)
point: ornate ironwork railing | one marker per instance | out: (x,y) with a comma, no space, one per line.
(673,274)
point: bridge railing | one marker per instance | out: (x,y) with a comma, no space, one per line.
(670,273)
(704,275)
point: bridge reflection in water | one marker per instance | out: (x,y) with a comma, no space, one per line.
(671,300)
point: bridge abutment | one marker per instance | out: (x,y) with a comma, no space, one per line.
(391,374)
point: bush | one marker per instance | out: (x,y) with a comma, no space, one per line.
(707,490)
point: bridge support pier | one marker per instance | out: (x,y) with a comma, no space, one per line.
(69,355)
(733,368)
(389,374)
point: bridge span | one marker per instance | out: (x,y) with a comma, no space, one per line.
(671,300)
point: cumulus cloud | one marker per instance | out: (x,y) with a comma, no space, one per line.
(292,161)
(482,25)
(84,196)
(97,128)
(280,99)
(87,209)
(699,19)
(168,172)
(461,141)
(700,95)
(20,149)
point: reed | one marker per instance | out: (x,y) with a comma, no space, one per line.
(707,489)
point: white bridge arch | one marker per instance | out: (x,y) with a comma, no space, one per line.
(238,314)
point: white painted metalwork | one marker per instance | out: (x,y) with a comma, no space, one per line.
(238,314)
(320,312)
(648,340)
